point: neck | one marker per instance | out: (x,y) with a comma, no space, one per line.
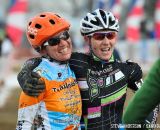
(54,60)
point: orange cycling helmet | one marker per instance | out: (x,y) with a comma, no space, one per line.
(44,26)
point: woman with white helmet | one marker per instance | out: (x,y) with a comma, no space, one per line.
(102,79)
(107,79)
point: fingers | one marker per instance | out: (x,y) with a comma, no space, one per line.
(36,87)
(33,85)
(35,75)
(32,92)
(35,81)
(40,82)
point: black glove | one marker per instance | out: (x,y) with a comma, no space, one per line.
(136,71)
(31,84)
(30,81)
(135,74)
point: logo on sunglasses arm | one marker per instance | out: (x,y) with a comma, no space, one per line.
(32,30)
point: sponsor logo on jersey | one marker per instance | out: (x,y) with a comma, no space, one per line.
(66,85)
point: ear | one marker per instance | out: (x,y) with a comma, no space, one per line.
(43,51)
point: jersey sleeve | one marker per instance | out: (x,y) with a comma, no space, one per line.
(79,63)
(28,108)
(145,99)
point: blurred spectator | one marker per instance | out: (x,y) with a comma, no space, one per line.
(2,35)
(117,54)
(144,36)
(6,47)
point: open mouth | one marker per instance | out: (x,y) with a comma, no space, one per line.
(106,49)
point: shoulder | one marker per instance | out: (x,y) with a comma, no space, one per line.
(129,67)
(133,65)
(79,63)
(124,64)
(128,63)
(79,58)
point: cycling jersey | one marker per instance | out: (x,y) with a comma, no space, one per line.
(103,88)
(58,107)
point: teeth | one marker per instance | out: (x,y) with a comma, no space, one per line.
(63,50)
(106,49)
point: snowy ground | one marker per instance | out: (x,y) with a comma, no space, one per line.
(9,69)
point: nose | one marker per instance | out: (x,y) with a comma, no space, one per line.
(105,41)
(62,42)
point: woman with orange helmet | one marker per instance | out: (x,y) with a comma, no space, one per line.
(59,106)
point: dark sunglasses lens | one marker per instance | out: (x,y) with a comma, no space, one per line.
(53,41)
(56,40)
(99,36)
(110,35)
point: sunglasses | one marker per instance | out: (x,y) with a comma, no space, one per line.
(102,35)
(56,40)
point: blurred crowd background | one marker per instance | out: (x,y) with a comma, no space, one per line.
(139,24)
(139,38)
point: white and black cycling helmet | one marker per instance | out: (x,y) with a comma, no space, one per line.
(98,20)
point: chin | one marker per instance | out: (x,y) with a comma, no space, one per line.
(67,57)
(106,58)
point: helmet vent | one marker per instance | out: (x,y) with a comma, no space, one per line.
(51,21)
(86,18)
(38,26)
(103,15)
(111,22)
(97,22)
(57,15)
(85,25)
(94,13)
(42,15)
(31,36)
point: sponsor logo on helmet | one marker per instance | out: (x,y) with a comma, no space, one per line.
(32,30)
